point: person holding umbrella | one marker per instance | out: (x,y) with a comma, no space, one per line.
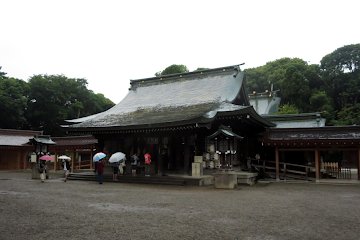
(66,165)
(42,166)
(42,170)
(100,171)
(98,159)
(116,161)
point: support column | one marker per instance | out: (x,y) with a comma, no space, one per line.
(55,161)
(186,158)
(317,165)
(72,160)
(277,163)
(160,160)
(91,158)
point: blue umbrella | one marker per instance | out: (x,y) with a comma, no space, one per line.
(97,157)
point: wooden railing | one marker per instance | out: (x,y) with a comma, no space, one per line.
(84,164)
(333,170)
(290,170)
(285,169)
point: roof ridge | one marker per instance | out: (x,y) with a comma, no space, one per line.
(134,83)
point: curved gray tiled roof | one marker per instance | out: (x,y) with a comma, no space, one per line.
(11,137)
(173,98)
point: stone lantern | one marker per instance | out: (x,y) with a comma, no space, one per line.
(225,145)
(41,145)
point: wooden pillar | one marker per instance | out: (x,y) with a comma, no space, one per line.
(317,165)
(72,160)
(160,160)
(358,157)
(91,158)
(55,162)
(277,163)
(186,156)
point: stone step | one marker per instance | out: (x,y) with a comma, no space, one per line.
(135,179)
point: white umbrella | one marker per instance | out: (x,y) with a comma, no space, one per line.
(117,157)
(64,157)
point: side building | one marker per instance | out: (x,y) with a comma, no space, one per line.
(302,146)
(15,149)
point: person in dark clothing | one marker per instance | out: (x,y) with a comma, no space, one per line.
(42,170)
(115,167)
(100,171)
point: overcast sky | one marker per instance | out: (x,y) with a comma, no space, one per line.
(110,42)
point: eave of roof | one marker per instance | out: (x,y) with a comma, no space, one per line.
(225,131)
(75,140)
(321,136)
(44,139)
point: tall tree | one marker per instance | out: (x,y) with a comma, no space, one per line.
(13,101)
(293,77)
(341,73)
(2,74)
(55,98)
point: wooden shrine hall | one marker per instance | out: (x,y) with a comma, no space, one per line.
(172,116)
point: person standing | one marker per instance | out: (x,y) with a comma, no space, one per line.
(134,164)
(100,171)
(147,158)
(42,170)
(66,165)
(115,167)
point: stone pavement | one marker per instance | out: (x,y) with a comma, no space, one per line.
(30,209)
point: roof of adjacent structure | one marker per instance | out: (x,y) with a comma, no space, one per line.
(300,120)
(11,137)
(44,139)
(195,97)
(315,136)
(75,140)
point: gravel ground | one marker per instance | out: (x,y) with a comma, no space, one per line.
(30,209)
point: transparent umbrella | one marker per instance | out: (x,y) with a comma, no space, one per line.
(117,157)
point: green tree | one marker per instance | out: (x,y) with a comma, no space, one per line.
(293,77)
(172,69)
(2,74)
(55,98)
(13,102)
(348,115)
(341,73)
(288,109)
(342,60)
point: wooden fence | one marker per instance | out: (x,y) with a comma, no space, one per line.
(298,171)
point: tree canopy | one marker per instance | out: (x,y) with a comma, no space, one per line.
(172,69)
(13,102)
(333,87)
(45,101)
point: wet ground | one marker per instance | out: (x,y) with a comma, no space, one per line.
(30,209)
